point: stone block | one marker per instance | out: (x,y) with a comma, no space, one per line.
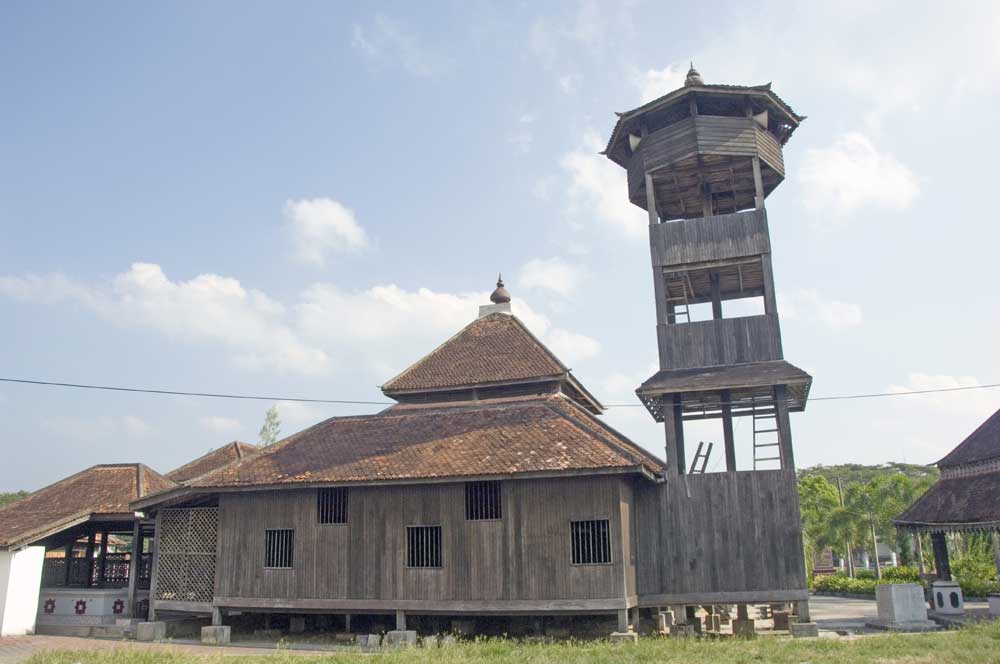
(744,628)
(447,640)
(780,620)
(994,602)
(803,630)
(400,638)
(151,631)
(623,637)
(372,640)
(900,602)
(664,621)
(216,635)
(947,598)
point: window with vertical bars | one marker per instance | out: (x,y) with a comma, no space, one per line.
(278,548)
(591,541)
(482,501)
(332,505)
(423,546)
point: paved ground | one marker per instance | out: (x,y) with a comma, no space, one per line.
(833,614)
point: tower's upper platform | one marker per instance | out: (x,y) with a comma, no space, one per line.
(700,142)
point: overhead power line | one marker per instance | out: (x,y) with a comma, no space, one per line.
(212,395)
(217,395)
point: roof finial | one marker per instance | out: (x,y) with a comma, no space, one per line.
(501,295)
(693,77)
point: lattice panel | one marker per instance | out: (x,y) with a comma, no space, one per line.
(186,567)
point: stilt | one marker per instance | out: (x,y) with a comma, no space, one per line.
(622,620)
(802,610)
(347,623)
(401,621)
(216,616)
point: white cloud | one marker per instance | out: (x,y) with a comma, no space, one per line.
(218,424)
(852,174)
(380,329)
(392,327)
(388,41)
(807,304)
(321,226)
(551,274)
(975,402)
(208,309)
(598,187)
(101,428)
(654,83)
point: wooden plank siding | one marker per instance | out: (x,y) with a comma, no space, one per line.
(704,239)
(523,557)
(719,535)
(720,341)
(705,149)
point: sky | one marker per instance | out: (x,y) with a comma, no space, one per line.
(301,200)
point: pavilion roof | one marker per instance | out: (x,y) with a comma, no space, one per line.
(212,460)
(98,492)
(983,444)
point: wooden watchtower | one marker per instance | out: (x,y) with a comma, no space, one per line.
(701,161)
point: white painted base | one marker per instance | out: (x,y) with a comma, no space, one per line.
(82,606)
(20,577)
(947,598)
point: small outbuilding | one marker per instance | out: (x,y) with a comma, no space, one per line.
(965,499)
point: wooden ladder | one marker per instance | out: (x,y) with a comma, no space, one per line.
(680,281)
(765,423)
(701,455)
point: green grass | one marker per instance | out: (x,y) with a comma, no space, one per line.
(973,644)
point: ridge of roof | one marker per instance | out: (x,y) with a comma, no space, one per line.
(453,440)
(983,444)
(764,89)
(50,509)
(398,382)
(211,460)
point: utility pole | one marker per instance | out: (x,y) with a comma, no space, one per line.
(847,543)
(871,520)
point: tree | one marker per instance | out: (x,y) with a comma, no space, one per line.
(11,497)
(272,427)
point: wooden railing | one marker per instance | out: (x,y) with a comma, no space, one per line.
(86,572)
(721,341)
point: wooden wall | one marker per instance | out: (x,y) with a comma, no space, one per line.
(720,341)
(720,534)
(703,239)
(524,556)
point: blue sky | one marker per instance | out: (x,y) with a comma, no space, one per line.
(302,200)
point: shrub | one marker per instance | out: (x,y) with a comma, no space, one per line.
(901,575)
(844,584)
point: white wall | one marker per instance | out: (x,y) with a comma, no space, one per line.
(20,580)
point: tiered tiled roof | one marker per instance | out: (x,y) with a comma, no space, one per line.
(100,491)
(497,348)
(217,458)
(967,497)
(495,438)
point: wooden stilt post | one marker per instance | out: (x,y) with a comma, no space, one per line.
(401,621)
(90,558)
(347,623)
(134,563)
(941,556)
(784,425)
(622,620)
(103,559)
(727,430)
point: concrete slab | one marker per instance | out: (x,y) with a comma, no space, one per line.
(803,630)
(151,631)
(400,638)
(216,635)
(624,637)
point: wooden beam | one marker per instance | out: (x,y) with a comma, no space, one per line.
(713,279)
(784,426)
(134,563)
(155,568)
(736,597)
(484,607)
(758,184)
(103,559)
(727,430)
